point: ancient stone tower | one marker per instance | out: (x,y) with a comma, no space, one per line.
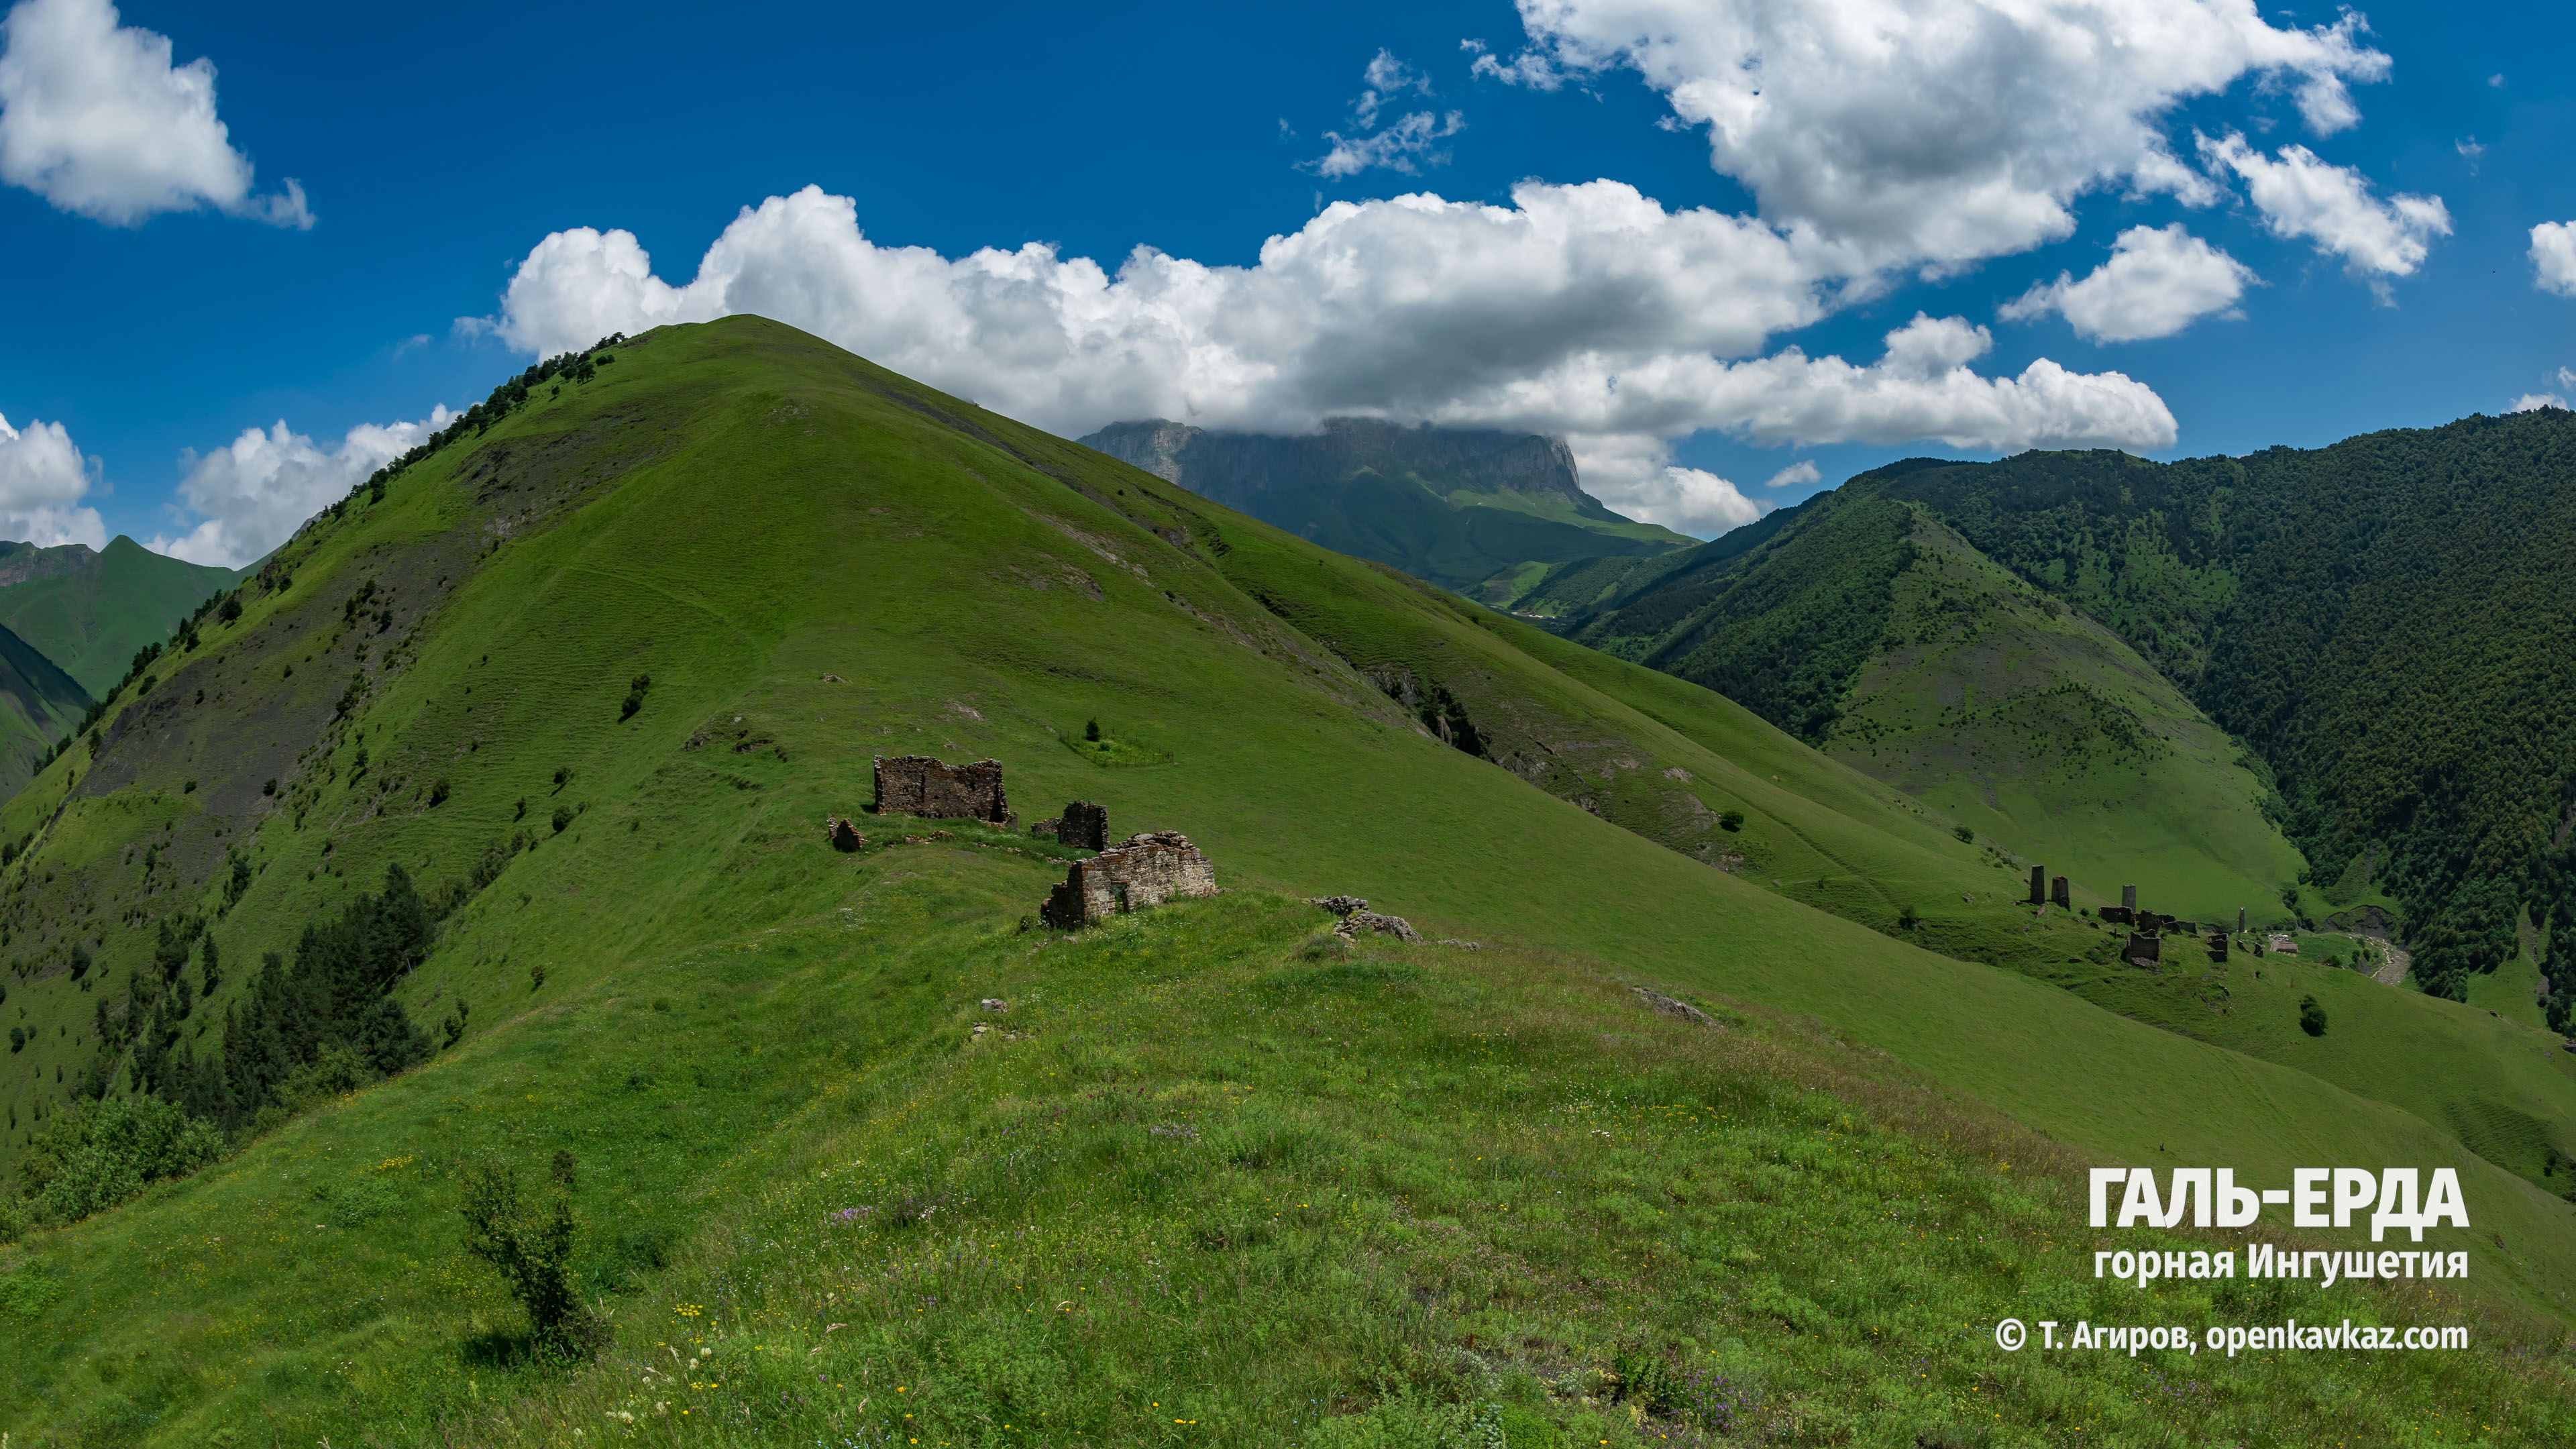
(2039,885)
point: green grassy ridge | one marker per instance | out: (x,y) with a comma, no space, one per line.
(1560,717)
(743,511)
(2040,728)
(1399,1186)
(2379,618)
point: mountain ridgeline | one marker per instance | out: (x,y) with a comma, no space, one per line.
(1461,508)
(2382,623)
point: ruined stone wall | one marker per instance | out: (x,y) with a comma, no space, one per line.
(1142,871)
(1085,826)
(920,785)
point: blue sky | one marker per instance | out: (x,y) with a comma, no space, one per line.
(169,298)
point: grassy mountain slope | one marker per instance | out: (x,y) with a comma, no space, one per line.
(39,704)
(2383,620)
(1454,506)
(1874,632)
(1912,657)
(92,619)
(815,561)
(2030,722)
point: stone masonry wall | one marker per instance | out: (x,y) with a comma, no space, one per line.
(1144,870)
(920,785)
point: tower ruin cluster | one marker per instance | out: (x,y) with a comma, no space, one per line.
(1142,870)
(2148,930)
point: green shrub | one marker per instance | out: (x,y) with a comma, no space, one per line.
(529,1240)
(563,818)
(1965,835)
(1731,820)
(2312,1017)
(99,1155)
(336,1071)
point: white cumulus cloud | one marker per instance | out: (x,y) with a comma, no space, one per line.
(2156,283)
(96,119)
(2553,257)
(1802,471)
(252,494)
(2532,402)
(1942,131)
(42,481)
(1689,500)
(2301,195)
(1588,311)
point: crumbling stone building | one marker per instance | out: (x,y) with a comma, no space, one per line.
(1083,825)
(1143,870)
(920,785)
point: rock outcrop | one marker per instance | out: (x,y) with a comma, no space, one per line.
(1357,917)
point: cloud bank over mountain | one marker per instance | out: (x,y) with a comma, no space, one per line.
(1589,311)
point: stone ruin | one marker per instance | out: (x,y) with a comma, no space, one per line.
(920,785)
(2143,949)
(1083,825)
(2057,892)
(2038,885)
(1142,870)
(843,833)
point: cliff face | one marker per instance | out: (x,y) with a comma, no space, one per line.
(1455,506)
(1234,468)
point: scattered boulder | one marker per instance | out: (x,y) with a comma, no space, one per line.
(997,1006)
(1396,926)
(1357,917)
(1664,1005)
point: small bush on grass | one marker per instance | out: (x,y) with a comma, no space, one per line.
(529,1240)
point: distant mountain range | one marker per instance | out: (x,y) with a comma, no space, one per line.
(1453,506)
(71,620)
